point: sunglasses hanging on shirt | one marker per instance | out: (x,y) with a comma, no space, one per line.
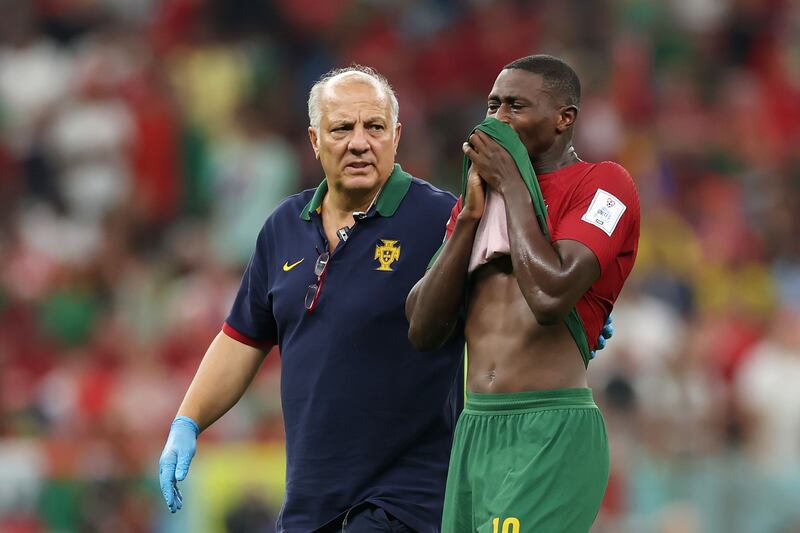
(323,259)
(315,289)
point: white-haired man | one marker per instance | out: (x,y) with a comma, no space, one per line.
(368,419)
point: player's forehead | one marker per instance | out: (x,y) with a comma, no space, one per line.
(353,95)
(515,83)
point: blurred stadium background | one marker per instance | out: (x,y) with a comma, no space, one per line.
(143,142)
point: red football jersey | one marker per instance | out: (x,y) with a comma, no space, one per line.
(597,205)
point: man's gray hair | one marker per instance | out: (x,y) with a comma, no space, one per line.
(367,73)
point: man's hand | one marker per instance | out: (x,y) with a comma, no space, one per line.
(606,333)
(475,201)
(176,458)
(493,162)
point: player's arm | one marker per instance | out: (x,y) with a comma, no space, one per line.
(551,276)
(434,304)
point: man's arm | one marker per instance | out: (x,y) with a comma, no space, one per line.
(551,276)
(224,374)
(433,305)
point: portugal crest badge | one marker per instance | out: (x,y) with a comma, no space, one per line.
(386,254)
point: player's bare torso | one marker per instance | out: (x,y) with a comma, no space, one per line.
(508,350)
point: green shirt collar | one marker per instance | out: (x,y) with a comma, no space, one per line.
(389,200)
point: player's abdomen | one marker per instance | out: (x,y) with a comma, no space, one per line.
(508,350)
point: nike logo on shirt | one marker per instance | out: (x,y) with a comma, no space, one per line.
(287,267)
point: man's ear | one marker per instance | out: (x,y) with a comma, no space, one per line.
(398,128)
(566,118)
(314,139)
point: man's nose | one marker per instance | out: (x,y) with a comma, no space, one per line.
(358,142)
(504,114)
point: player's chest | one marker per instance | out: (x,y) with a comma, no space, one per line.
(557,200)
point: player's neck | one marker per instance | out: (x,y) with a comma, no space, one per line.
(555,159)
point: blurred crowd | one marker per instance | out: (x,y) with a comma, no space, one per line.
(143,143)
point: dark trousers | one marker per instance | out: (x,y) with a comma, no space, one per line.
(368,519)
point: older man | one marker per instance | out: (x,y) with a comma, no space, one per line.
(368,420)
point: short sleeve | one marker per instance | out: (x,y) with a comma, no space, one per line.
(451,222)
(449,228)
(603,214)
(251,320)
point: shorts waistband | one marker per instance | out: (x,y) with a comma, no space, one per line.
(516,402)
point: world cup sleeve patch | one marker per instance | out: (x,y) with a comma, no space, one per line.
(604,211)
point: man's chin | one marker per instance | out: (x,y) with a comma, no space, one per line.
(360,181)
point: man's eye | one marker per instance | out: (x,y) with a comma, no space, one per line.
(493,106)
(376,127)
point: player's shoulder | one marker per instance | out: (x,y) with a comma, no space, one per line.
(613,176)
(610,171)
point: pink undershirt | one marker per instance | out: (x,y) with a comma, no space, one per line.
(491,238)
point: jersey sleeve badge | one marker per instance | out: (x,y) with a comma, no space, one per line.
(604,211)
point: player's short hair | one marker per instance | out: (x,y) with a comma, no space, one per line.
(366,73)
(560,80)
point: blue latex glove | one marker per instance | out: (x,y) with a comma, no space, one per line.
(176,458)
(606,333)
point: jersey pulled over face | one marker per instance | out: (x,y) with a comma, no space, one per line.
(356,142)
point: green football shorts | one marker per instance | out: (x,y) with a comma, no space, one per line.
(529,462)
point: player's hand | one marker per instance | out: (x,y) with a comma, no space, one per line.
(476,196)
(606,333)
(493,162)
(176,458)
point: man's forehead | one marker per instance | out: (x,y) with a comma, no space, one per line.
(519,83)
(349,96)
(354,87)
(365,113)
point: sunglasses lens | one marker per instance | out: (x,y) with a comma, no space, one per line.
(319,266)
(311,293)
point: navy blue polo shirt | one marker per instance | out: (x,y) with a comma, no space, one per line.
(367,417)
